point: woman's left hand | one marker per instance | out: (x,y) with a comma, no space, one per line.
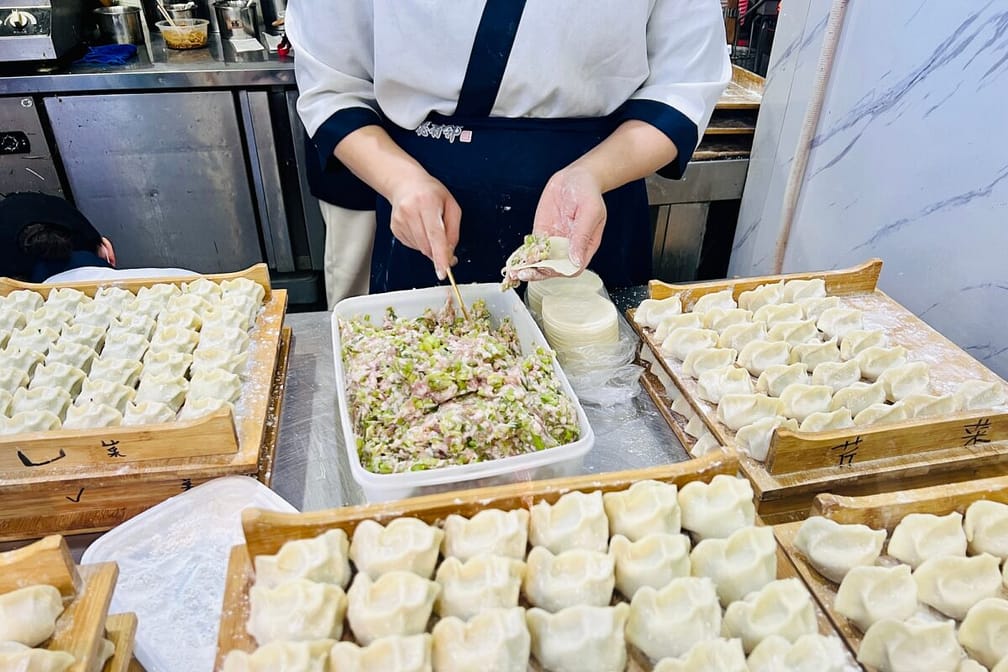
(571,206)
(106,251)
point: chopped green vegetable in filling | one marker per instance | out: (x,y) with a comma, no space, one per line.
(533,250)
(439,390)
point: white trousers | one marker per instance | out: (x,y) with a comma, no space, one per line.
(348,243)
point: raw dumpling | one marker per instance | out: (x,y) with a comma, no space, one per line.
(894,646)
(737,336)
(920,536)
(214,384)
(298,610)
(60,375)
(555,582)
(902,381)
(707,359)
(706,444)
(20,658)
(834,549)
(809,653)
(480,583)
(869,594)
(50,317)
(714,385)
(754,439)
(5,401)
(720,318)
(828,421)
(772,314)
(322,559)
(717,509)
(975,395)
(493,531)
(188,302)
(280,656)
(858,397)
(681,342)
(12,379)
(28,615)
(794,332)
(812,355)
(876,359)
(837,375)
(92,416)
(108,393)
(986,528)
(878,414)
(98,315)
(757,356)
(182,318)
(404,545)
(225,316)
(799,401)
(722,299)
(84,334)
(813,307)
(147,308)
(780,608)
(723,655)
(580,639)
(795,290)
(73,354)
(208,289)
(244,287)
(113,296)
(775,378)
(695,426)
(738,410)
(760,296)
(666,623)
(166,363)
(211,357)
(984,631)
(25,300)
(398,603)
(38,339)
(244,305)
(29,421)
(670,323)
(194,409)
(167,389)
(928,406)
(21,359)
(651,311)
(10,321)
(495,640)
(120,371)
(66,298)
(52,399)
(121,344)
(744,562)
(147,413)
(837,322)
(176,339)
(858,340)
(646,507)
(229,338)
(953,584)
(577,520)
(158,293)
(398,654)
(652,561)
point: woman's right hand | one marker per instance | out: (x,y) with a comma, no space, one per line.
(426,217)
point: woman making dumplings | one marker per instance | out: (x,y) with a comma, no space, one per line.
(475,122)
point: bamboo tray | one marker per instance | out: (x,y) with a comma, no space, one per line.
(92,480)
(266,532)
(87,592)
(861,460)
(881,511)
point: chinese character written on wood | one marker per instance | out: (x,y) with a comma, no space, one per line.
(186,484)
(847,451)
(112,448)
(28,463)
(976,433)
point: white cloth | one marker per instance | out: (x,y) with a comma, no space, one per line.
(99,273)
(570,58)
(348,243)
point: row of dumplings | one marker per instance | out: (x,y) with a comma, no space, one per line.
(936,571)
(124,359)
(720,599)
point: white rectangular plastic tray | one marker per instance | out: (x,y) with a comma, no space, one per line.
(173,562)
(562,460)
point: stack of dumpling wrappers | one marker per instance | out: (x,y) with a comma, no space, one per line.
(694,580)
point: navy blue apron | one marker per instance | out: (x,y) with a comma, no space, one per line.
(496,168)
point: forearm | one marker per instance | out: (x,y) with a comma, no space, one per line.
(376,159)
(634,150)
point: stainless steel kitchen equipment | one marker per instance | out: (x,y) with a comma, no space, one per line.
(181,10)
(120,25)
(270,11)
(237,19)
(39,30)
(26,162)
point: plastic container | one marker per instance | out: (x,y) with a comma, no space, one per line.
(185,34)
(172,568)
(562,460)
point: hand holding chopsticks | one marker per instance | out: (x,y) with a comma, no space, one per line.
(451,279)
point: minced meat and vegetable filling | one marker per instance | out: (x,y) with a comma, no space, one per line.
(439,390)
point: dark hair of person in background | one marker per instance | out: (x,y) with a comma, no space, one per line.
(45,241)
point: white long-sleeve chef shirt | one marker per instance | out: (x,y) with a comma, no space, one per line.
(661,61)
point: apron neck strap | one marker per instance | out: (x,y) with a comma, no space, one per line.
(491,49)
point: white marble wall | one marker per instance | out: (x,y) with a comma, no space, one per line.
(910,160)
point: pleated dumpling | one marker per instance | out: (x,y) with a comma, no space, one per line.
(928,405)
(28,615)
(92,416)
(986,528)
(21,359)
(723,655)
(920,536)
(980,394)
(120,371)
(71,354)
(37,339)
(580,639)
(878,414)
(228,337)
(836,375)
(717,509)
(397,603)
(55,400)
(12,379)
(901,646)
(827,421)
(646,507)
(322,559)
(26,300)
(175,339)
(220,315)
(869,594)
(707,359)
(200,407)
(758,356)
(838,322)
(670,323)
(874,360)
(576,520)
(23,422)
(813,307)
(298,610)
(772,314)
(953,584)
(776,378)
(206,358)
(10,321)
(794,332)
(799,400)
(208,289)
(495,639)
(984,631)
(744,562)
(277,656)
(705,444)
(760,296)
(738,410)
(21,658)
(719,319)
(215,384)
(834,549)
(244,287)
(652,561)
(722,299)
(713,385)
(812,354)
(651,311)
(555,582)
(480,583)
(158,293)
(737,336)
(98,315)
(782,608)
(147,413)
(166,389)
(405,544)
(194,303)
(113,296)
(795,290)
(48,316)
(681,342)
(85,334)
(164,363)
(858,397)
(754,439)
(902,381)
(57,374)
(492,531)
(809,653)
(667,622)
(182,318)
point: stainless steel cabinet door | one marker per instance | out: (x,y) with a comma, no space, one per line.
(161,174)
(26,164)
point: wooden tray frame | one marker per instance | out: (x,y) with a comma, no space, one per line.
(802,464)
(119,490)
(266,531)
